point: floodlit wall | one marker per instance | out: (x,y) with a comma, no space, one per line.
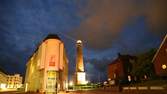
(115,69)
(3,80)
(48,62)
(14,81)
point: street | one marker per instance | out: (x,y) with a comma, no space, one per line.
(73,92)
(100,92)
(96,92)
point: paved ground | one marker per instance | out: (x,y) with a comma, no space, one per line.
(99,92)
(73,92)
(96,92)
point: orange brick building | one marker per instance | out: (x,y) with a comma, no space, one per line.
(121,67)
(115,69)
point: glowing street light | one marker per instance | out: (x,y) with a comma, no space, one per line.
(71,83)
(164,66)
(129,78)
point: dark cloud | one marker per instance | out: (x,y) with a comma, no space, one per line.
(155,11)
(101,24)
(24,24)
(104,19)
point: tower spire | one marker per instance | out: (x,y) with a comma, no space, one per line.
(79,57)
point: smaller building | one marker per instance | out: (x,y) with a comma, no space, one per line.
(9,81)
(120,68)
(160,59)
(14,81)
(115,69)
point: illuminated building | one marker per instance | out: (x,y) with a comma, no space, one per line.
(9,81)
(3,80)
(14,81)
(47,68)
(160,59)
(80,75)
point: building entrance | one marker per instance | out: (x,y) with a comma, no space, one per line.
(51,82)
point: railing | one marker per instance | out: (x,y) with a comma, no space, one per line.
(144,90)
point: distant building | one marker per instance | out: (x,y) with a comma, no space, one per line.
(116,70)
(3,79)
(160,59)
(10,81)
(121,67)
(14,81)
(47,68)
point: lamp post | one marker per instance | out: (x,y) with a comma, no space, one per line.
(164,66)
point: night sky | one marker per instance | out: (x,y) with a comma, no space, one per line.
(106,28)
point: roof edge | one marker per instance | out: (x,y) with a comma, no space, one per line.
(163,41)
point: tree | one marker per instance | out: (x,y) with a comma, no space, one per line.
(143,65)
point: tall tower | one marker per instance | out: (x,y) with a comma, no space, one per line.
(80,75)
(79,57)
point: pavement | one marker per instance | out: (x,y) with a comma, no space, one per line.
(100,91)
(91,92)
(73,92)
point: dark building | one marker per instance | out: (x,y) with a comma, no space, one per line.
(160,59)
(121,67)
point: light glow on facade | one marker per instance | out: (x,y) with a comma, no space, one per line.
(47,69)
(71,83)
(81,77)
(3,86)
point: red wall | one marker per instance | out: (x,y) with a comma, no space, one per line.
(160,59)
(116,67)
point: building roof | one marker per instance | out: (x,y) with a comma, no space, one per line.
(163,42)
(123,58)
(52,36)
(114,61)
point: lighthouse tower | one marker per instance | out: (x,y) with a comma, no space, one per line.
(80,75)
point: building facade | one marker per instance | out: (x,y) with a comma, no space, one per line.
(120,68)
(3,80)
(47,68)
(14,81)
(160,59)
(116,70)
(10,81)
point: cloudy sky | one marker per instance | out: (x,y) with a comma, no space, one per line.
(106,28)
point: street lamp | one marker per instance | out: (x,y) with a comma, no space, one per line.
(129,78)
(71,83)
(164,66)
